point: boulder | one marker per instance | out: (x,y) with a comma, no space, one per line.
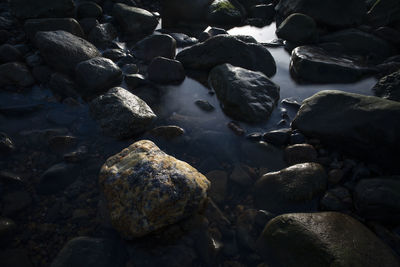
(228,49)
(146,189)
(388,87)
(163,70)
(63,50)
(88,9)
(223,12)
(16,74)
(244,94)
(121,114)
(322,239)
(26,9)
(293,189)
(32,26)
(297,28)
(102,35)
(157,45)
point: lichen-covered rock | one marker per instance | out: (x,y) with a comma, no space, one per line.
(146,189)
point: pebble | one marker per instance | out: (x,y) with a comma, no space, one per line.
(204,105)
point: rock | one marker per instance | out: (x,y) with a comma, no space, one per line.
(223,12)
(244,94)
(26,9)
(9,53)
(383,12)
(88,10)
(297,28)
(204,105)
(240,176)
(312,64)
(62,143)
(130,69)
(379,199)
(168,132)
(265,12)
(114,54)
(156,45)
(6,144)
(353,123)
(163,70)
(388,87)
(63,51)
(135,80)
(147,189)
(134,20)
(228,49)
(91,252)
(183,40)
(41,73)
(388,34)
(15,202)
(335,13)
(7,229)
(322,239)
(32,26)
(15,73)
(300,153)
(335,176)
(102,35)
(97,75)
(219,180)
(337,199)
(277,137)
(261,154)
(14,258)
(121,114)
(57,178)
(293,189)
(62,85)
(88,24)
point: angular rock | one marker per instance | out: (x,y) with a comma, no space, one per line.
(121,114)
(57,178)
(322,239)
(244,94)
(147,189)
(162,45)
(102,35)
(26,9)
(228,49)
(297,28)
(63,51)
(163,70)
(32,26)
(218,189)
(388,87)
(293,189)
(14,73)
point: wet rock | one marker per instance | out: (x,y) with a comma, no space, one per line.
(236,128)
(240,176)
(264,12)
(135,80)
(355,126)
(88,10)
(244,95)
(17,74)
(312,64)
(228,49)
(204,105)
(379,199)
(183,40)
(9,53)
(261,154)
(32,26)
(168,132)
(63,51)
(218,180)
(15,202)
(293,189)
(91,252)
(164,71)
(300,153)
(62,85)
(102,35)
(335,176)
(57,178)
(246,38)
(223,12)
(322,239)
(337,199)
(6,144)
(297,138)
(88,24)
(156,45)
(297,28)
(62,143)
(11,178)
(277,137)
(97,75)
(14,258)
(26,9)
(130,69)
(383,12)
(121,114)
(114,54)
(388,87)
(147,189)
(80,154)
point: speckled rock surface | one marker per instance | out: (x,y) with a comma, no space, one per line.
(146,189)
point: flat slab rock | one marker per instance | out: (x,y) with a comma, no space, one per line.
(146,189)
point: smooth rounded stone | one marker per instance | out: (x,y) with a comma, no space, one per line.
(378,199)
(335,13)
(32,26)
(218,189)
(164,71)
(277,137)
(39,138)
(300,153)
(313,64)
(91,252)
(204,105)
(383,12)
(97,75)
(322,239)
(14,258)
(261,154)
(26,9)
(156,45)
(10,178)
(223,12)
(265,12)
(168,132)
(121,114)
(88,10)
(337,199)
(9,53)
(57,178)
(146,189)
(297,28)
(88,24)
(135,80)
(294,189)
(240,176)
(335,176)
(7,228)
(114,54)
(102,35)
(15,202)
(244,94)
(183,40)
(388,87)
(353,123)
(228,49)
(6,144)
(134,20)
(63,50)
(15,73)
(62,85)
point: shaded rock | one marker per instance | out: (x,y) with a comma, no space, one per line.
(183,40)
(244,95)
(6,144)
(135,80)
(228,49)
(297,28)
(388,87)
(265,12)
(155,45)
(63,51)
(163,70)
(218,180)
(57,178)
(295,188)
(277,137)
(15,202)
(388,34)
(240,176)
(300,153)
(337,199)
(62,85)
(25,9)
(14,258)
(32,26)
(62,143)
(383,12)
(262,154)
(17,74)
(121,114)
(9,53)
(147,189)
(88,24)
(88,10)
(130,69)
(204,105)
(364,126)
(7,229)
(41,73)
(114,54)
(223,12)
(167,132)
(102,35)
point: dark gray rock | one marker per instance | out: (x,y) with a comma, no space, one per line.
(388,87)
(163,70)
(277,137)
(121,114)
(102,35)
(32,26)
(262,155)
(388,34)
(7,229)
(223,12)
(297,28)
(157,45)
(62,85)
(6,144)
(300,153)
(135,80)
(88,10)
(57,178)
(26,9)
(204,105)
(9,53)
(264,12)
(88,24)
(63,51)
(114,54)
(183,40)
(15,73)
(384,12)
(337,199)
(167,132)
(244,94)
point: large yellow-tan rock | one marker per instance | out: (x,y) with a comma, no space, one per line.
(146,189)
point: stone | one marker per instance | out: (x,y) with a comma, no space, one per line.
(15,202)
(9,53)
(277,137)
(168,132)
(388,87)
(240,176)
(183,40)
(57,178)
(164,71)
(63,50)
(353,123)
(223,12)
(322,239)
(14,73)
(204,105)
(135,80)
(262,155)
(337,199)
(265,12)
(146,189)
(227,49)
(62,85)
(114,54)
(294,189)
(26,9)
(14,258)
(244,94)
(88,24)
(97,75)
(88,10)
(7,229)
(383,12)
(32,26)
(300,153)
(121,114)
(102,35)
(388,34)
(6,144)
(297,28)
(156,45)
(218,189)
